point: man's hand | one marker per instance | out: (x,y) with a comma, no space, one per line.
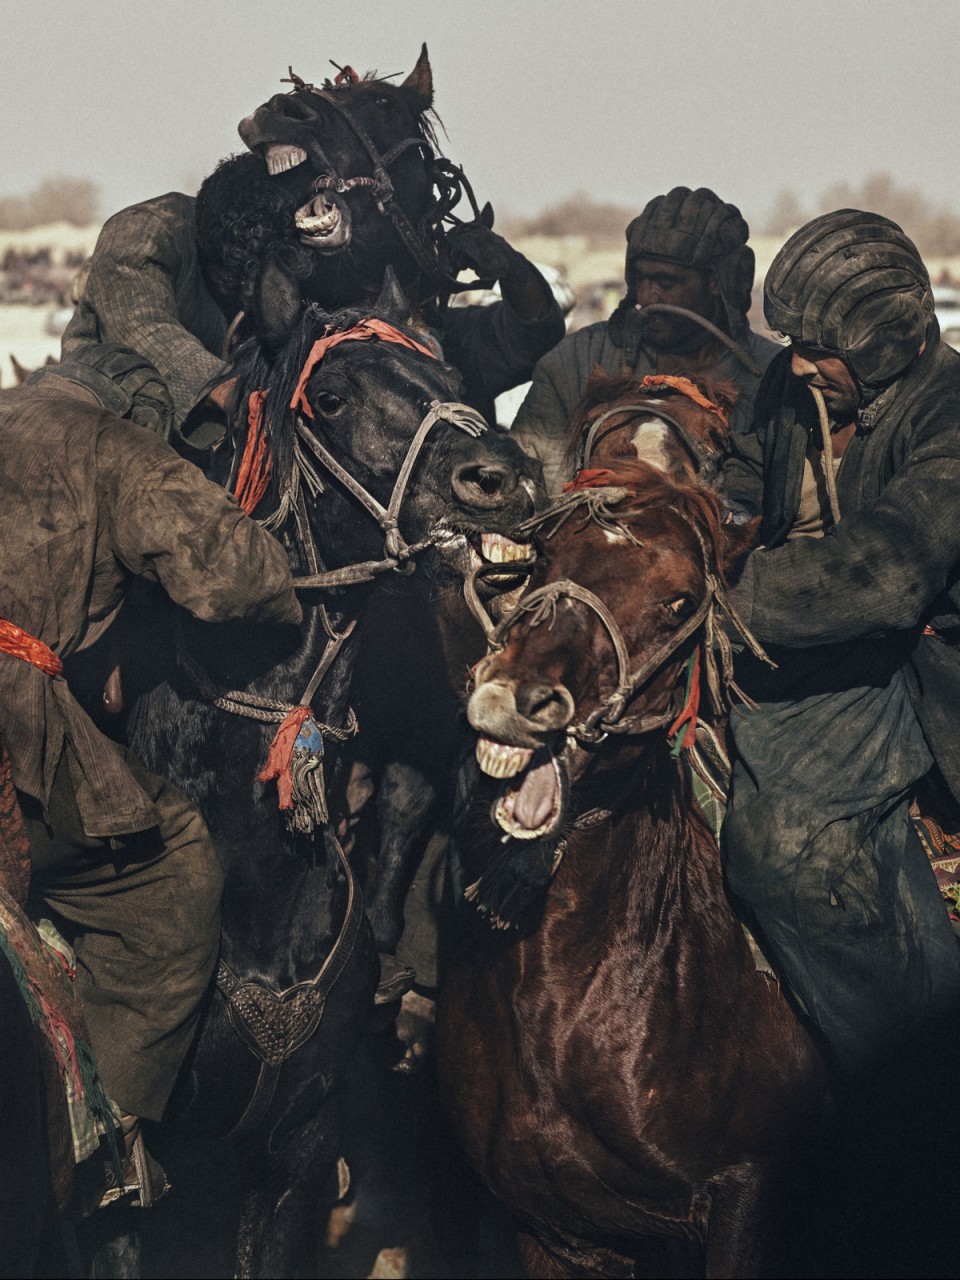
(474,245)
(221,394)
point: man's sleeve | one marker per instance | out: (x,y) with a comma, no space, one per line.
(541,426)
(175,527)
(881,569)
(494,349)
(131,289)
(741,478)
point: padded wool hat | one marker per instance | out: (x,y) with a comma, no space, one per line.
(854,283)
(697,229)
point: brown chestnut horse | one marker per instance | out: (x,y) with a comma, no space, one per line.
(678,425)
(615,1065)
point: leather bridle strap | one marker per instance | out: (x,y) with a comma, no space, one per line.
(608,717)
(458,415)
(704,458)
(382,188)
(275,1024)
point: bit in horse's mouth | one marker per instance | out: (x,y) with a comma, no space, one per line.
(532,806)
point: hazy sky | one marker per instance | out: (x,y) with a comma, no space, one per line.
(622,99)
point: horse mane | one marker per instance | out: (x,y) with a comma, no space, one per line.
(277,375)
(605,391)
(647,487)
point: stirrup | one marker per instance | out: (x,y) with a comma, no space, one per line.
(143,1180)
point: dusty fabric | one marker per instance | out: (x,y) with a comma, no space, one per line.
(561,376)
(820,850)
(90,500)
(144,915)
(818,846)
(145,292)
(891,565)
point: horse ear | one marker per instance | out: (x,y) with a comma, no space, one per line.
(277,302)
(420,82)
(393,303)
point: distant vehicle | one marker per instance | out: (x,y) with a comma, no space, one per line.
(946,301)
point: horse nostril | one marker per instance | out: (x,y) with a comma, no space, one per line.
(548,706)
(483,484)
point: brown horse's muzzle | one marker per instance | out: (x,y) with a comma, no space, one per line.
(521,713)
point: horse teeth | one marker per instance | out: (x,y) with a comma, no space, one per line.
(498,760)
(282,157)
(496,549)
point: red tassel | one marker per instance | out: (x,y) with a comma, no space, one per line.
(255,466)
(281,754)
(691,708)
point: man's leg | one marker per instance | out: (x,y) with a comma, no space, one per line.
(146,916)
(819,849)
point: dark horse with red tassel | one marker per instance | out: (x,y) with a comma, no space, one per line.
(617,1067)
(353,447)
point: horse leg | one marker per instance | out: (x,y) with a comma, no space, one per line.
(406,803)
(742,1225)
(288,1201)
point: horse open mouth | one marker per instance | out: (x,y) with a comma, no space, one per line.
(530,805)
(503,562)
(324,223)
(281,156)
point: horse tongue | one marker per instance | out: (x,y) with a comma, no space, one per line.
(538,796)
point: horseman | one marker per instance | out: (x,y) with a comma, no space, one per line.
(151,335)
(687,249)
(90,503)
(854,471)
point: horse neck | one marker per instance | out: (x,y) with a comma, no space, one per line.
(646,866)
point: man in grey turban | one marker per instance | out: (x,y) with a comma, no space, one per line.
(687,249)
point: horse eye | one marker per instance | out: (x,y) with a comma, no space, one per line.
(384,102)
(680,606)
(329,403)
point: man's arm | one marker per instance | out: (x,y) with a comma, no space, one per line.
(175,527)
(131,292)
(881,569)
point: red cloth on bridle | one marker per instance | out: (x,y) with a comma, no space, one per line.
(361,332)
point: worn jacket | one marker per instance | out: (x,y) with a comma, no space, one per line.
(88,502)
(560,379)
(892,566)
(145,292)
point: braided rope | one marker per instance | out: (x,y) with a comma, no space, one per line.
(272,711)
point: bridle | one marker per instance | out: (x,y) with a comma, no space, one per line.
(539,606)
(308,451)
(448,178)
(398,555)
(705,458)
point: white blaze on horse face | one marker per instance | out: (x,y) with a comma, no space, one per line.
(651,440)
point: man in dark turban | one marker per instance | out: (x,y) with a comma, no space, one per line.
(687,249)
